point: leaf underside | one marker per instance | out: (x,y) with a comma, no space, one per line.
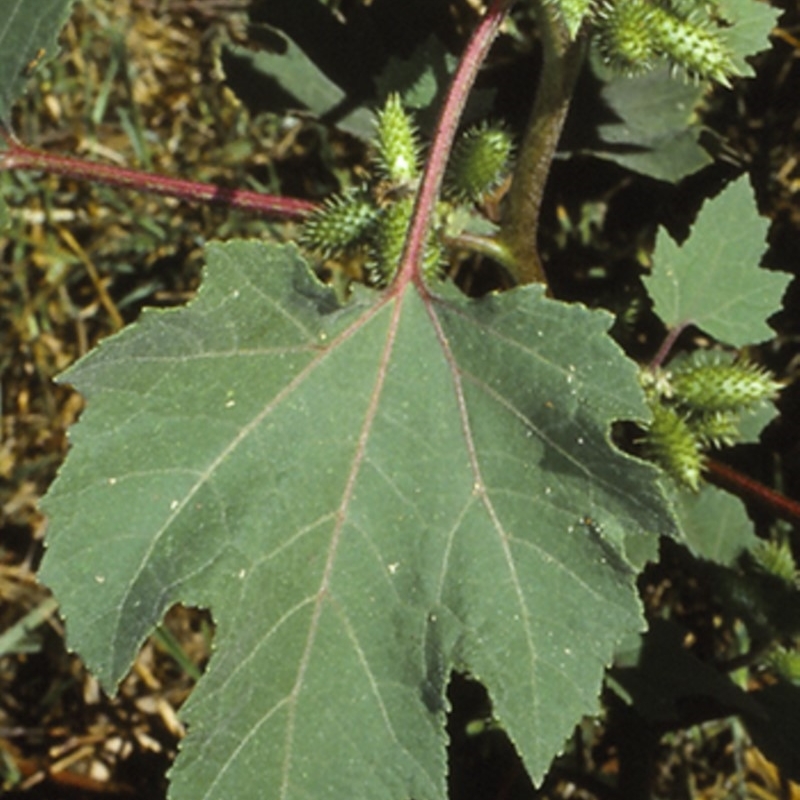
(367,498)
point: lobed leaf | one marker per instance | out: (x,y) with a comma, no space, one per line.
(713,280)
(367,498)
(747,29)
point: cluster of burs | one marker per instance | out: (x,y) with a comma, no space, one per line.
(697,405)
(366,225)
(634,35)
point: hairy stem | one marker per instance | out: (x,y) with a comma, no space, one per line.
(562,59)
(474,55)
(19,157)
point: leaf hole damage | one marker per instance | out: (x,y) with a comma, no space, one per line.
(482,761)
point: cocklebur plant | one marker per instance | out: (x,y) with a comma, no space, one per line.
(376,490)
(369,223)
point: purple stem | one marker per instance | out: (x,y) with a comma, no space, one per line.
(474,55)
(19,157)
(667,345)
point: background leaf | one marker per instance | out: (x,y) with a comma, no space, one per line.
(715,524)
(748,28)
(650,124)
(306,87)
(656,674)
(420,79)
(26,28)
(366,498)
(338,66)
(713,279)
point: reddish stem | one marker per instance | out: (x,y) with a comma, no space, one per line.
(667,345)
(19,157)
(746,487)
(473,57)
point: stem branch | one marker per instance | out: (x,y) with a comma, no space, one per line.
(18,157)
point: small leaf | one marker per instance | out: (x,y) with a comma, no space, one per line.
(420,78)
(715,524)
(719,261)
(747,31)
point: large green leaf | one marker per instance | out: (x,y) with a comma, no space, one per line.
(713,280)
(28,36)
(367,498)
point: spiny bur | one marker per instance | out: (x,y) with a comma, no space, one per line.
(396,143)
(479,162)
(631,34)
(697,405)
(670,442)
(734,386)
(343,222)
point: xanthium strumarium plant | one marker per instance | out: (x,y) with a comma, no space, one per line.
(376,488)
